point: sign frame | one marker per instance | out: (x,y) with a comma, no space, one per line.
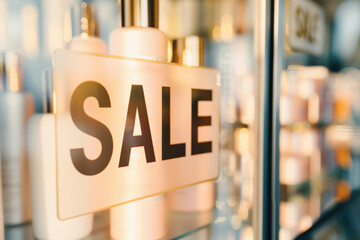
(69,66)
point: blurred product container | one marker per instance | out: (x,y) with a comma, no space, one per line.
(316,141)
(16,107)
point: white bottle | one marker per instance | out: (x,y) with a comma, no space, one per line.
(42,151)
(15,109)
(42,165)
(139,38)
(200,197)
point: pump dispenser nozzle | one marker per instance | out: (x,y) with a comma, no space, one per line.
(85,34)
(11,71)
(83,21)
(139,13)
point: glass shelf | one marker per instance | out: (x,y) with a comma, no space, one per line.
(213,224)
(224,221)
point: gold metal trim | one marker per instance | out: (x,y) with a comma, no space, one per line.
(133,59)
(115,205)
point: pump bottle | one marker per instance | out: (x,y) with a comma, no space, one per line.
(42,148)
(200,197)
(85,30)
(139,37)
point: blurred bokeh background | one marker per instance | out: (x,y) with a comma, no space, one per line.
(290,112)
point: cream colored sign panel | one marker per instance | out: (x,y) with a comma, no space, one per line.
(127,129)
(307,27)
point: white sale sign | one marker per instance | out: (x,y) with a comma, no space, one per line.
(307,27)
(127,129)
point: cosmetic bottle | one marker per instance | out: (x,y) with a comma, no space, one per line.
(139,38)
(85,30)
(42,166)
(16,107)
(200,197)
(42,148)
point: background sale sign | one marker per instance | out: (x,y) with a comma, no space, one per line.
(128,129)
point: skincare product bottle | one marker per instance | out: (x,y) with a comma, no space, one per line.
(42,148)
(200,197)
(85,30)
(42,166)
(16,107)
(139,38)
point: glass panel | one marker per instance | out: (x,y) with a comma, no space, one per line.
(237,37)
(318,110)
(124,111)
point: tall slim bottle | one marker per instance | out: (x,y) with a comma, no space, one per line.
(139,38)
(16,107)
(85,30)
(42,166)
(200,197)
(42,148)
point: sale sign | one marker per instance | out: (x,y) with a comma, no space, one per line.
(127,129)
(307,28)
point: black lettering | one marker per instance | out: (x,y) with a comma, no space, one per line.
(302,19)
(197,121)
(169,150)
(92,127)
(136,102)
(300,28)
(313,28)
(306,25)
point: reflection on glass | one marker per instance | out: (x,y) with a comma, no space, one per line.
(226,26)
(316,144)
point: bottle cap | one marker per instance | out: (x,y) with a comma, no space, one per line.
(139,13)
(188,51)
(84,21)
(11,72)
(47,91)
